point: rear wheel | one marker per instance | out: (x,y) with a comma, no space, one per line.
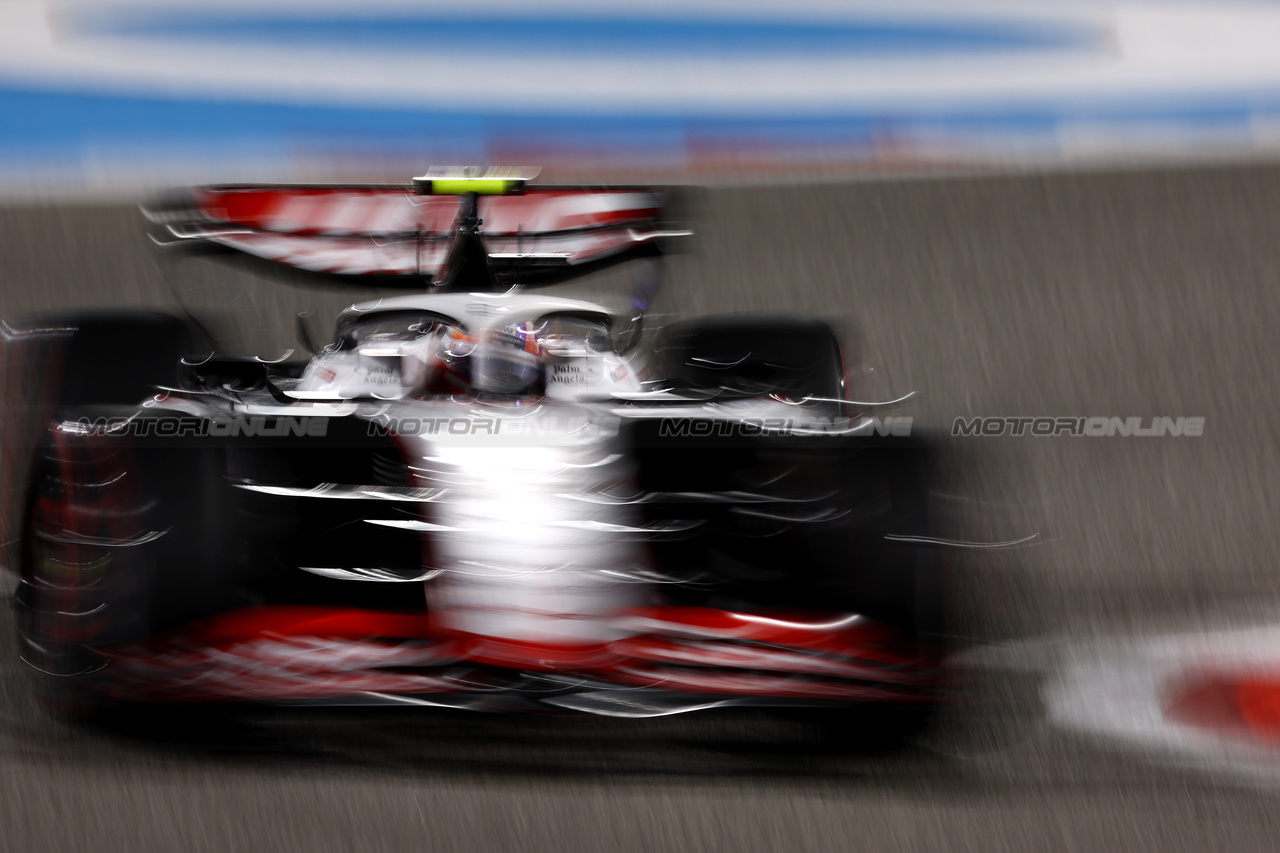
(745,356)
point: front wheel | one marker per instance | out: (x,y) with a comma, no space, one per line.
(85,561)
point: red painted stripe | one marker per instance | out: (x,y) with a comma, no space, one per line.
(238,655)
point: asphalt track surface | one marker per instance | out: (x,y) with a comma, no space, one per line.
(1147,293)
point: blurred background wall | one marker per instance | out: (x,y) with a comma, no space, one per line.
(110,96)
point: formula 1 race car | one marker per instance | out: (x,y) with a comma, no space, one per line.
(476,496)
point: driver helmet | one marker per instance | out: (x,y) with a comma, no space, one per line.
(510,361)
(440,363)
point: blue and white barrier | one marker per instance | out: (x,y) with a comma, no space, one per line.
(128,93)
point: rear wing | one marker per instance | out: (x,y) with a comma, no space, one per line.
(418,231)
